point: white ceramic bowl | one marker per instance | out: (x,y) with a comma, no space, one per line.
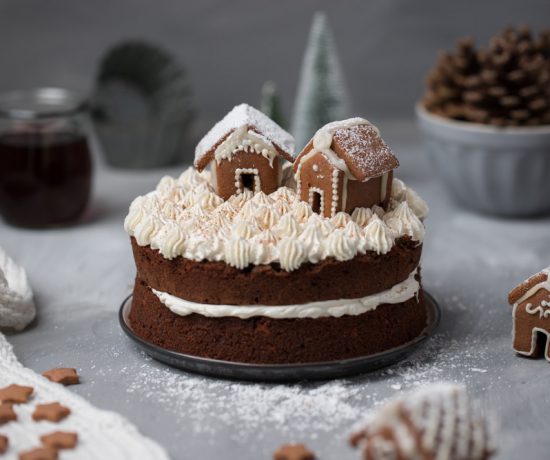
(503,171)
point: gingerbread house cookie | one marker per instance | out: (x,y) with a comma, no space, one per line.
(245,151)
(435,422)
(346,165)
(531,313)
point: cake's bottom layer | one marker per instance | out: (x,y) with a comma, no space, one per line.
(264,340)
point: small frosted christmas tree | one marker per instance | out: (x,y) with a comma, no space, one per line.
(322,96)
(270,104)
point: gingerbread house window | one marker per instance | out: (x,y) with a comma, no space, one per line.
(245,150)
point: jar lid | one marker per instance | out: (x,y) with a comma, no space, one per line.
(41,103)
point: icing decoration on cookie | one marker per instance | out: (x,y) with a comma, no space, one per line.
(531,315)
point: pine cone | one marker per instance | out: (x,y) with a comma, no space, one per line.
(506,84)
(434,422)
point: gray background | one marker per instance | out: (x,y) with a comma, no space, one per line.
(231,47)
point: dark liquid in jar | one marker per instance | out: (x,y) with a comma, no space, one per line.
(45,178)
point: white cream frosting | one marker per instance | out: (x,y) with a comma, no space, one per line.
(378,235)
(339,246)
(334,308)
(291,253)
(403,221)
(185,217)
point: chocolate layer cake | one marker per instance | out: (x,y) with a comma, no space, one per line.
(266,340)
(293,275)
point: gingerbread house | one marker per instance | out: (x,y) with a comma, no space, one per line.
(245,150)
(346,165)
(531,315)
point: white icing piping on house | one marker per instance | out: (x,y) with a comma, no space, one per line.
(321,193)
(536,288)
(538,310)
(331,308)
(257,183)
(243,139)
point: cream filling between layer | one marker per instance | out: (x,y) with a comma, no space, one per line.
(335,308)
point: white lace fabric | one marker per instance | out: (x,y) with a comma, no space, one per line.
(102,434)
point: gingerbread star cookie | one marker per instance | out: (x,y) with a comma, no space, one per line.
(63,375)
(7,413)
(60,440)
(40,453)
(53,412)
(15,394)
(4,443)
(293,452)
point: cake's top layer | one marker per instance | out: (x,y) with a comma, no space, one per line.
(185,217)
(244,116)
(530,286)
(355,146)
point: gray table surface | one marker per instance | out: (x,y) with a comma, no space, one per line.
(80,276)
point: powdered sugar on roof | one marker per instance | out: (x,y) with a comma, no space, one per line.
(364,151)
(241,115)
(345,124)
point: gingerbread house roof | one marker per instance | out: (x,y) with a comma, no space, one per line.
(243,115)
(358,143)
(541,278)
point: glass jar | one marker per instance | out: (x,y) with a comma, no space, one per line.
(45,159)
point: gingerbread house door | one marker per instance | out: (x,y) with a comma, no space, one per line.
(316,199)
(247,179)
